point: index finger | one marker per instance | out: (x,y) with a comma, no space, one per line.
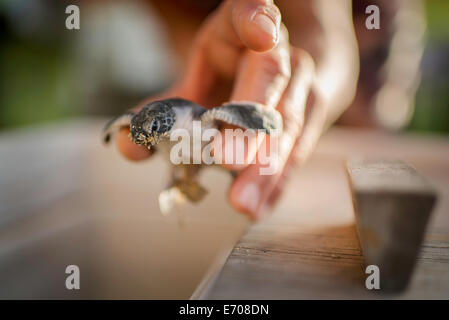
(218,48)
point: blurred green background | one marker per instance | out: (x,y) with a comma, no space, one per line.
(37,82)
(432,99)
(45,78)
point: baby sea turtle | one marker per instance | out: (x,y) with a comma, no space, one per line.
(155,122)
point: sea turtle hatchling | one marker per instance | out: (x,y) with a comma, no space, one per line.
(152,126)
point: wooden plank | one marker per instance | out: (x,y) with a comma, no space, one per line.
(308,248)
(392,203)
(66,199)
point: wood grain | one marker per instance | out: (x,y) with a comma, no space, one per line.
(308,248)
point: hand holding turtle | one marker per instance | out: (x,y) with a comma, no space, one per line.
(242,53)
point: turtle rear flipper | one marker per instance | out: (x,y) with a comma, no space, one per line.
(191,189)
(176,195)
(169,199)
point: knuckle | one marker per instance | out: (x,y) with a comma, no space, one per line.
(277,66)
(303,60)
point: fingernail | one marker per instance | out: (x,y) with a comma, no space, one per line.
(249,197)
(266,24)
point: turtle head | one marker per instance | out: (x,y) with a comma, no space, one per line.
(152,123)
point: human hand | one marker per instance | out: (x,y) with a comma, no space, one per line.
(242,52)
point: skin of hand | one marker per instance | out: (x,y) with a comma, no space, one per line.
(242,52)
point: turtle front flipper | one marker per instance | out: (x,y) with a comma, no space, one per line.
(247,115)
(113,126)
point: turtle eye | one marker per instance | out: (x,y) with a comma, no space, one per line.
(154,125)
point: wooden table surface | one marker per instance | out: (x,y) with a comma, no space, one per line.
(308,248)
(65,199)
